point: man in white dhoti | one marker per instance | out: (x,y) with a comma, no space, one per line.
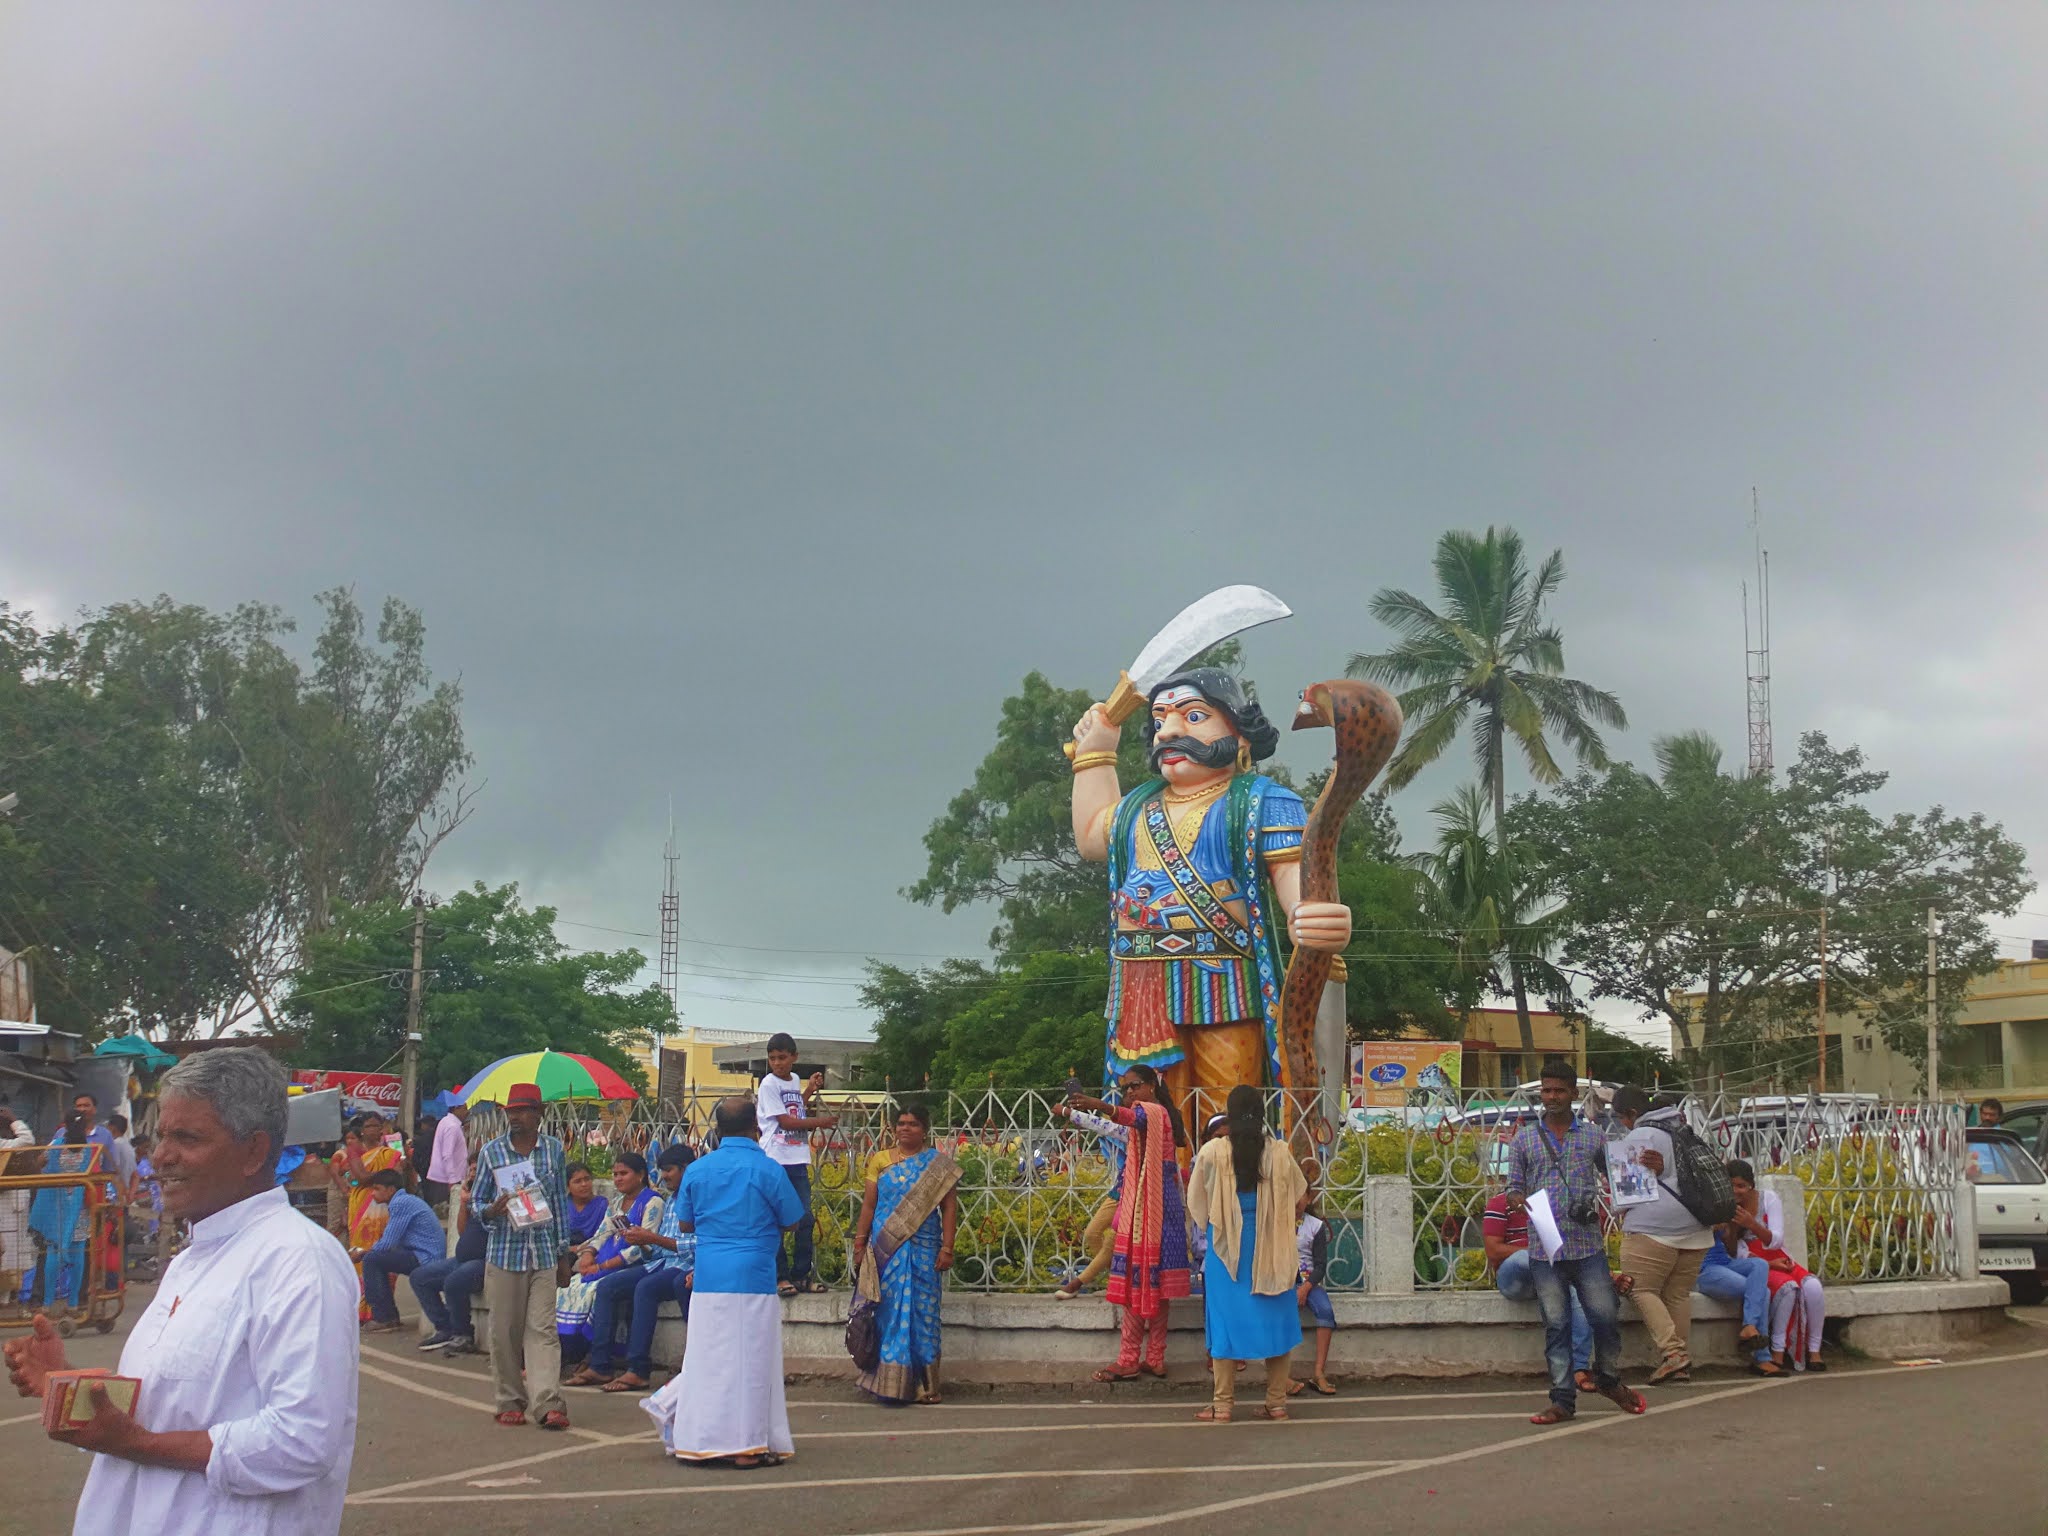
(246,1421)
(726,1403)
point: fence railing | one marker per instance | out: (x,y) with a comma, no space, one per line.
(1879,1176)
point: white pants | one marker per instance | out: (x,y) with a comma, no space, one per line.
(727,1399)
(1806,1295)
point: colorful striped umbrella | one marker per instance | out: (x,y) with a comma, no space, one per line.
(559,1074)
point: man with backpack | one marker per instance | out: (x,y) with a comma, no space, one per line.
(1662,1242)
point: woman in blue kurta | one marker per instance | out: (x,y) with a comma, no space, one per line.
(58,1216)
(903,1242)
(1248,1193)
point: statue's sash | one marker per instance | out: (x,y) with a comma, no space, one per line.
(1194,890)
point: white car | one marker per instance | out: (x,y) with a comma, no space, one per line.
(2012,1213)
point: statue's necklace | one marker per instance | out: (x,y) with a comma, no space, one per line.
(1182,810)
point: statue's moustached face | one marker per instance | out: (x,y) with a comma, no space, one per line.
(1184,713)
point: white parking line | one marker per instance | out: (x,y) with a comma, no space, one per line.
(784,1485)
(24,1418)
(466,1402)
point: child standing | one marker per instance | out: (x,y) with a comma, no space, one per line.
(1312,1238)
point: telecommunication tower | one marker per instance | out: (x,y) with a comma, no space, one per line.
(671,925)
(1757,649)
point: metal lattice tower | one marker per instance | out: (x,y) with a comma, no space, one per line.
(1757,649)
(671,924)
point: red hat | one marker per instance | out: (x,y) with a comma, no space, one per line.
(523,1093)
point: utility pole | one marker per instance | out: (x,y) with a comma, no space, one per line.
(409,1106)
(1933,1028)
(1823,1028)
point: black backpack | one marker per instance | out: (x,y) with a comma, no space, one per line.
(1703,1187)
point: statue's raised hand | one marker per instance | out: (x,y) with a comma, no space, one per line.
(1095,732)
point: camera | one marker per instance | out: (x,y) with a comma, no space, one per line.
(1584,1210)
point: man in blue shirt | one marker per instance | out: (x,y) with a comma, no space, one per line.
(1562,1156)
(412,1237)
(726,1402)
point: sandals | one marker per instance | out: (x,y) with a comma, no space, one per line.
(585,1377)
(1213,1415)
(1556,1413)
(1111,1373)
(1815,1363)
(1158,1373)
(554,1418)
(754,1463)
(626,1383)
(1674,1368)
(1321,1385)
(1278,1415)
(1627,1401)
(512,1418)
(1767,1368)
(785,1289)
(1585,1381)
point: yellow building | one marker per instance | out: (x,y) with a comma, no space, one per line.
(685,1066)
(1493,1054)
(2003,1052)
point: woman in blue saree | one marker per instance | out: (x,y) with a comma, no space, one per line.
(901,1245)
(59,1218)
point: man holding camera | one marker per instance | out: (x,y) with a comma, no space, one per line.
(1561,1156)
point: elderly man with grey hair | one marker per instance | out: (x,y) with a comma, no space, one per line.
(247,1356)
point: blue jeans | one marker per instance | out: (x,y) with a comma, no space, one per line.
(1319,1308)
(666,1284)
(381,1269)
(796,1265)
(1746,1281)
(1558,1282)
(612,1290)
(445,1290)
(1516,1284)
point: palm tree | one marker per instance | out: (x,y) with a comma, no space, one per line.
(1492,898)
(1489,659)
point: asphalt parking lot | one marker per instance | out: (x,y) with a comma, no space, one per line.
(1867,1448)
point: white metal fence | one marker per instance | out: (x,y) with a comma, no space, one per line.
(1880,1179)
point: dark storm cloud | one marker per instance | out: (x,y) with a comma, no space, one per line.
(729,384)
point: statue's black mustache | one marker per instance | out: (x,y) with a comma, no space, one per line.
(1209,754)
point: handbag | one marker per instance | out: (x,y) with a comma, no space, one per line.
(863,1334)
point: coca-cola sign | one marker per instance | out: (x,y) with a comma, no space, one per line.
(361,1092)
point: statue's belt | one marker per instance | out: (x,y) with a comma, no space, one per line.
(1195,944)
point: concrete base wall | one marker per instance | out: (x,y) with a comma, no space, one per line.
(1035,1339)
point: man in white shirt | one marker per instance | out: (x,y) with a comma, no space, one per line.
(246,1421)
(782,1110)
(449,1164)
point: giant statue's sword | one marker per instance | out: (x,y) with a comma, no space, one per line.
(1208,620)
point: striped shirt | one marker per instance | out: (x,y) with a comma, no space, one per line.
(1566,1168)
(685,1255)
(523,1248)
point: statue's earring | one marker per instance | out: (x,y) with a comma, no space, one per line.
(1244,755)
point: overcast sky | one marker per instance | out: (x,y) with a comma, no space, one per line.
(751,395)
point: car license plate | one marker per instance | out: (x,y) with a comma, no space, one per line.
(2005,1258)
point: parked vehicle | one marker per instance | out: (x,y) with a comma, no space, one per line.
(2028,1120)
(2012,1213)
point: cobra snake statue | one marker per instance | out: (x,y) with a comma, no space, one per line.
(1368,726)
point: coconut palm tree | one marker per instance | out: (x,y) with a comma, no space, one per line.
(1490,660)
(1492,900)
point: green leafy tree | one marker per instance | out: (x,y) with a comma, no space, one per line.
(343,780)
(498,981)
(1615,1058)
(1696,896)
(1490,660)
(118,876)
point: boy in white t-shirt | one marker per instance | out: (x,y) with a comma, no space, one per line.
(782,1109)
